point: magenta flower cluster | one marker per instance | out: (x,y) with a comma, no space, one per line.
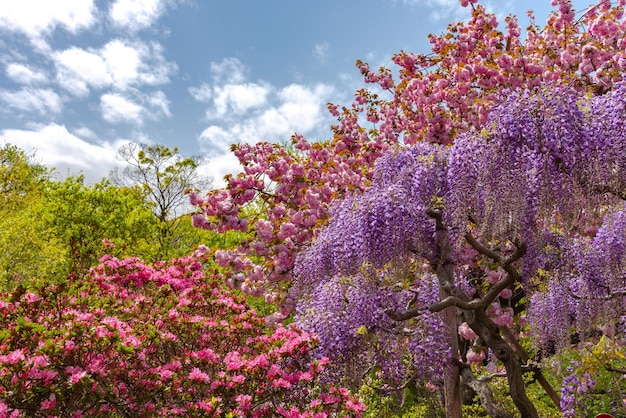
(133,339)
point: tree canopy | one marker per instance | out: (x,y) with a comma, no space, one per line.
(531,203)
(426,98)
(166,178)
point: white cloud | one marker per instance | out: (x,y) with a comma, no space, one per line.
(124,62)
(216,146)
(230,95)
(202,93)
(217,140)
(228,71)
(57,148)
(303,106)
(120,64)
(271,123)
(136,14)
(245,112)
(218,167)
(85,132)
(116,108)
(36,18)
(159,103)
(28,100)
(134,108)
(238,98)
(295,108)
(78,70)
(22,74)
(442,9)
(154,68)
(445,4)
(452,10)
(321,51)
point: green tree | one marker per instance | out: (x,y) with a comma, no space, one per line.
(83,218)
(26,250)
(165,178)
(20,178)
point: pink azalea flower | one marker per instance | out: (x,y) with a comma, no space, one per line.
(198,375)
(31,297)
(48,404)
(13,357)
(76,377)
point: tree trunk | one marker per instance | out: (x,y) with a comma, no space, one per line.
(490,335)
(484,394)
(480,323)
(442,266)
(451,377)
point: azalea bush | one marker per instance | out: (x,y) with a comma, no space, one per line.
(134,339)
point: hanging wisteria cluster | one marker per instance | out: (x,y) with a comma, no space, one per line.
(348,314)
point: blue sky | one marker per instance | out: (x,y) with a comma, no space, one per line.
(79,78)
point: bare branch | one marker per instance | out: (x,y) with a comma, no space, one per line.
(490,377)
(482,249)
(507,265)
(389,389)
(405,315)
(518,254)
(521,353)
(435,307)
(616,294)
(610,190)
(605,365)
(454,301)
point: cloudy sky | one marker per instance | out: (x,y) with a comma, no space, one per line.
(79,78)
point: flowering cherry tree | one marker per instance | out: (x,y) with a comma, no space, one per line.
(134,339)
(284,192)
(522,223)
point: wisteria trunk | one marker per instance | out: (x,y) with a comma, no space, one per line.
(480,323)
(451,378)
(490,335)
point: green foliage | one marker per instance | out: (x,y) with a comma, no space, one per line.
(20,178)
(500,390)
(542,401)
(187,238)
(414,401)
(418,402)
(26,250)
(603,363)
(86,219)
(49,229)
